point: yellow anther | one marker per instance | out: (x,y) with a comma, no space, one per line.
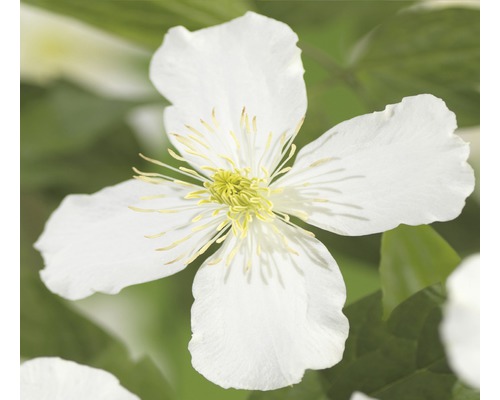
(207,126)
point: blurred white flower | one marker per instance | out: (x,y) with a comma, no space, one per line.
(460,327)
(52,378)
(147,123)
(361,396)
(54,46)
(268,303)
(435,4)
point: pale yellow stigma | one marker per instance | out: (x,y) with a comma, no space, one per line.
(246,197)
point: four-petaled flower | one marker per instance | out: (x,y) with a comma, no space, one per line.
(268,303)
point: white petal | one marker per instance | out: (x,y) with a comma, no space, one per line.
(96,243)
(361,396)
(460,326)
(250,62)
(262,328)
(55,46)
(403,165)
(471,135)
(51,378)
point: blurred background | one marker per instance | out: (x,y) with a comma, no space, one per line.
(88,108)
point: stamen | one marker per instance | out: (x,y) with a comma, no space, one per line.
(207,126)
(321,162)
(242,118)
(191,173)
(280,171)
(194,131)
(228,159)
(214,119)
(233,135)
(200,141)
(157,235)
(175,244)
(176,259)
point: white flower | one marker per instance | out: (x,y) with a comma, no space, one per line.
(268,303)
(361,396)
(51,378)
(54,46)
(460,326)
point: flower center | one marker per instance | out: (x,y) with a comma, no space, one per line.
(246,197)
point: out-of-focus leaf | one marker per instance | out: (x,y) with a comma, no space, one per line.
(400,359)
(49,327)
(327,32)
(413,257)
(333,26)
(361,278)
(462,392)
(74,140)
(309,388)
(63,119)
(145,22)
(463,233)
(423,51)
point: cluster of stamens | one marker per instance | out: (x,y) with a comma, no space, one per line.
(241,194)
(246,197)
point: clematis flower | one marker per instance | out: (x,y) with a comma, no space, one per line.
(52,378)
(268,301)
(461,316)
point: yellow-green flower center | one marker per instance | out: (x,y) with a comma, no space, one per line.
(246,197)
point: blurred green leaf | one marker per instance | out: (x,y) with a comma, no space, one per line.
(74,140)
(146,21)
(49,327)
(309,388)
(463,233)
(401,359)
(327,32)
(413,257)
(462,392)
(332,26)
(64,118)
(423,51)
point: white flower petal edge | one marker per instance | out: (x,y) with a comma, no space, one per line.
(361,396)
(250,63)
(402,165)
(461,319)
(96,243)
(52,378)
(261,321)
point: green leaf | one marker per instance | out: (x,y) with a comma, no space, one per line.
(413,257)
(64,118)
(462,392)
(49,326)
(398,359)
(423,51)
(146,22)
(309,388)
(73,140)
